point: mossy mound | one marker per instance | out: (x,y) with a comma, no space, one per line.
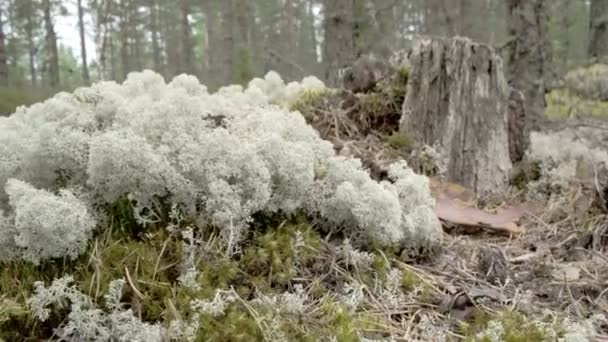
(288,279)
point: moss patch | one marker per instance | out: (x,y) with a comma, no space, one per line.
(564,103)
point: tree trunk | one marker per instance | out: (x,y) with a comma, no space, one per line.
(243,69)
(51,41)
(457,101)
(83,48)
(187,65)
(227,62)
(3,59)
(519,136)
(124,41)
(339,48)
(155,37)
(529,53)
(102,36)
(135,35)
(31,49)
(598,29)
(211,61)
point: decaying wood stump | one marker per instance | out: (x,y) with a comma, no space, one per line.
(457,99)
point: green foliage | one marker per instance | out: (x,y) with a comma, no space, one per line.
(309,100)
(563,103)
(235,325)
(270,260)
(11,98)
(152,264)
(515,328)
(400,140)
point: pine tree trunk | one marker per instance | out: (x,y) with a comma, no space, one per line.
(51,41)
(598,29)
(83,49)
(3,59)
(457,100)
(124,41)
(211,50)
(31,49)
(227,62)
(155,36)
(187,65)
(529,53)
(102,37)
(339,49)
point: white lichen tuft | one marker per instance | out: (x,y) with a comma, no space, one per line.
(46,225)
(564,159)
(220,158)
(87,322)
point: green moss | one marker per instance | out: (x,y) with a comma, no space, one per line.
(307,101)
(400,140)
(344,324)
(397,86)
(270,258)
(152,264)
(373,104)
(564,103)
(235,325)
(516,328)
(16,285)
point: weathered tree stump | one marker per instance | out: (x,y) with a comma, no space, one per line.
(457,99)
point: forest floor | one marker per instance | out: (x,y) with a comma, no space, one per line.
(543,281)
(547,280)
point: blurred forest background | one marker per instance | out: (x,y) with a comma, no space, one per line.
(231,41)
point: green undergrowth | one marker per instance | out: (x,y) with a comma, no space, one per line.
(378,110)
(563,104)
(510,326)
(11,98)
(277,254)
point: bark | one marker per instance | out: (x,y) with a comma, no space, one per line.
(172,36)
(83,49)
(339,48)
(243,67)
(124,40)
(519,137)
(211,61)
(529,54)
(227,62)
(156,57)
(457,100)
(51,45)
(102,36)
(3,59)
(135,55)
(31,49)
(598,29)
(288,42)
(187,65)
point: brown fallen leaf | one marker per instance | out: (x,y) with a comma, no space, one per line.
(456,204)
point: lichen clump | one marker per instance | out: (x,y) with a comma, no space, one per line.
(563,159)
(219,158)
